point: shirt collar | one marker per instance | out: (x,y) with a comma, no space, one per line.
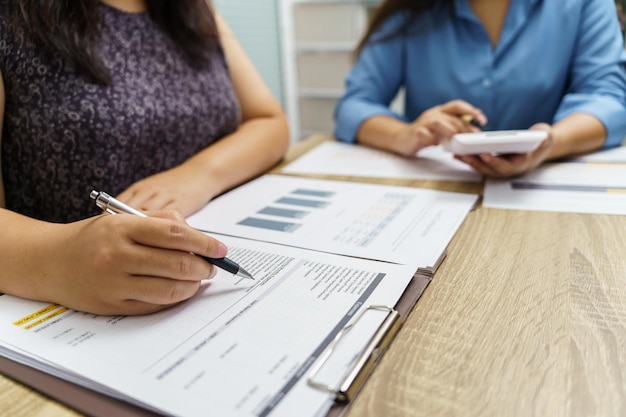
(518,10)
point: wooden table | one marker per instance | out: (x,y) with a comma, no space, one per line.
(525,317)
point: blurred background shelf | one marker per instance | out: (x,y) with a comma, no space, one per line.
(318,42)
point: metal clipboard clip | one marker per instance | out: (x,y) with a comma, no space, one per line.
(365,362)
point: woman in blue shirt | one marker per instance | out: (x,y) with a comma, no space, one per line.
(511,64)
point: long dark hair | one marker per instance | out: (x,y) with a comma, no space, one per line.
(68,28)
(390,7)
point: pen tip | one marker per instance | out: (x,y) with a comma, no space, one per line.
(242,272)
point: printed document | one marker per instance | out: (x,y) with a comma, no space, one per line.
(344,159)
(237,348)
(576,187)
(394,224)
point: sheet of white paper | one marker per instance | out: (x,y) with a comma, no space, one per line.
(609,155)
(336,158)
(394,224)
(575,187)
(238,348)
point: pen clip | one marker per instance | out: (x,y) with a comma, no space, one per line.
(102,201)
(352,382)
(112,205)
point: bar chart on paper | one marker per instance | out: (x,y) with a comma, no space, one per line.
(283,214)
(287,213)
(395,224)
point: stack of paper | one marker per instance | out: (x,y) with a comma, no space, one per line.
(242,347)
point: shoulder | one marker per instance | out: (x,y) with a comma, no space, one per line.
(596,19)
(395,25)
(581,10)
(570,21)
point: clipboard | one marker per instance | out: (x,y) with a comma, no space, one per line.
(403,307)
(96,404)
(346,390)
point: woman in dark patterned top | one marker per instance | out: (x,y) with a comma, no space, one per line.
(153,101)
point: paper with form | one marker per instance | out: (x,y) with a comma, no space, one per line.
(394,224)
(336,158)
(238,348)
(575,187)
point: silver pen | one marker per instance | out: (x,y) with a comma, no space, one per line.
(112,205)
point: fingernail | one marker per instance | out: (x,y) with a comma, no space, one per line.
(222,250)
(213,273)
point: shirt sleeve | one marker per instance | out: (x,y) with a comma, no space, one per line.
(372,83)
(598,81)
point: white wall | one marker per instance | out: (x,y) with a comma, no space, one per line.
(255,23)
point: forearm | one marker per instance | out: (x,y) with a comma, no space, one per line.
(254,147)
(26,254)
(381,132)
(576,134)
(260,141)
(430,128)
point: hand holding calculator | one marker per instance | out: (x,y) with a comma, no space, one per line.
(495,142)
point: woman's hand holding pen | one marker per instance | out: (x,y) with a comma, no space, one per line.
(130,265)
(435,125)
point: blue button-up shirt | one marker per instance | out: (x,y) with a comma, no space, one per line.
(553,58)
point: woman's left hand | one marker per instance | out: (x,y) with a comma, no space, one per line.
(177,189)
(504,166)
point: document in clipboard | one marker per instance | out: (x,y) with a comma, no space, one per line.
(350,384)
(225,352)
(242,348)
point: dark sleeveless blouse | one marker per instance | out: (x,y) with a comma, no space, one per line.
(64,135)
